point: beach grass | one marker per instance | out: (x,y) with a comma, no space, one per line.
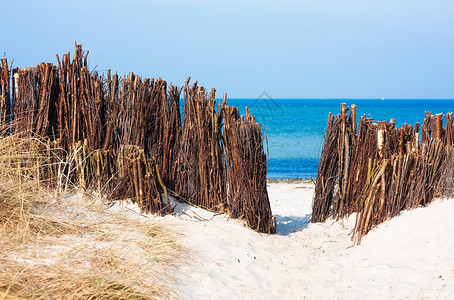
(69,245)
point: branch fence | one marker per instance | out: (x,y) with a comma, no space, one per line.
(128,138)
(377,170)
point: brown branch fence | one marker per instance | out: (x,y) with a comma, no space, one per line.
(128,138)
(377,170)
(241,136)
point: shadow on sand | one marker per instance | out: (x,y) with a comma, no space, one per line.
(289,224)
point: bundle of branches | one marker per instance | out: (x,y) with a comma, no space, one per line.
(139,181)
(363,153)
(446,182)
(172,131)
(81,107)
(35,95)
(164,130)
(327,174)
(80,117)
(5,105)
(143,117)
(201,163)
(448,137)
(380,170)
(401,171)
(247,167)
(134,111)
(331,193)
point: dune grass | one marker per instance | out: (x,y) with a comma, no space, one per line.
(71,246)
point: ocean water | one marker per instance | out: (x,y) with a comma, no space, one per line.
(295,127)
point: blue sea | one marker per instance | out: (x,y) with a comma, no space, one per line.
(295,127)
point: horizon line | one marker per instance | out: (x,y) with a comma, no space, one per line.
(339,98)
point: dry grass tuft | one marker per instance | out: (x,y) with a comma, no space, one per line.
(25,201)
(21,192)
(73,247)
(53,282)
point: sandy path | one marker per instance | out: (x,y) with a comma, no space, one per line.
(411,256)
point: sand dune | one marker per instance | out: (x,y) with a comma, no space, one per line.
(408,257)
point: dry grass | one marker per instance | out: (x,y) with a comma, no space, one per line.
(22,197)
(101,266)
(73,247)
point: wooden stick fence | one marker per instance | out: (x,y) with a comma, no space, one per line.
(126,137)
(377,170)
(247,167)
(201,162)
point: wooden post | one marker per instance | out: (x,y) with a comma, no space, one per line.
(353,117)
(401,141)
(438,130)
(381,138)
(341,154)
(329,126)
(449,132)
(5,105)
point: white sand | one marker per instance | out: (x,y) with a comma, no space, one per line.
(408,257)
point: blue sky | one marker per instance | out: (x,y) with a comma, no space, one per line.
(290,49)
